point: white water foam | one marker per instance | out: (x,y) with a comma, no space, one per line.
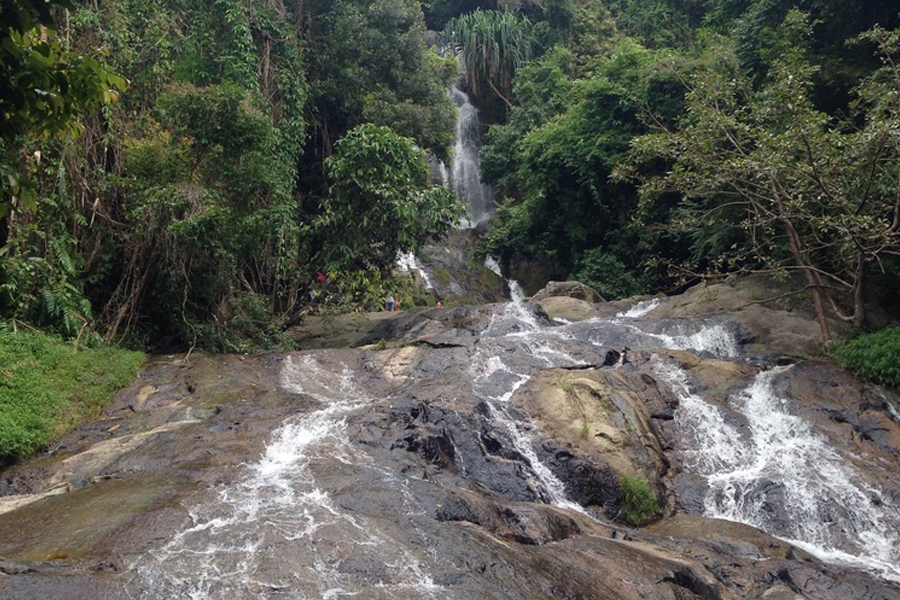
(640,309)
(515,309)
(779,475)
(515,332)
(409,262)
(714,339)
(893,411)
(276,534)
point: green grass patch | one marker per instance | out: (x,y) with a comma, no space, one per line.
(639,506)
(48,386)
(873,356)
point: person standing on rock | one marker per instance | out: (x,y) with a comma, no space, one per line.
(389,302)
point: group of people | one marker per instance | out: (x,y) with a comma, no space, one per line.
(392,302)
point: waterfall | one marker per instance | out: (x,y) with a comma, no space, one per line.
(410,263)
(284,529)
(465,172)
(464,177)
(779,475)
(640,309)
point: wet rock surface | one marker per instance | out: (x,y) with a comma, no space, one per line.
(567,289)
(413,471)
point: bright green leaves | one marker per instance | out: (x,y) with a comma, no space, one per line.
(873,356)
(47,387)
(380,204)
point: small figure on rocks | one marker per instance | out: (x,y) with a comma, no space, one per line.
(389,302)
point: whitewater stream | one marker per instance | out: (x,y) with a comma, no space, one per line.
(465,171)
(280,533)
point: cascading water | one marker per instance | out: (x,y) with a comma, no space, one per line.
(409,262)
(282,531)
(276,533)
(465,172)
(640,309)
(779,475)
(464,177)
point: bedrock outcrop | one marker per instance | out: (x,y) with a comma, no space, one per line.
(412,472)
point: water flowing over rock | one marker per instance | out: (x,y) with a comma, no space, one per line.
(465,172)
(445,269)
(480,455)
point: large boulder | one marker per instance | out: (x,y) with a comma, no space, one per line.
(568,289)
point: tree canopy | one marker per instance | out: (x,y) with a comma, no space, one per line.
(177,172)
(192,211)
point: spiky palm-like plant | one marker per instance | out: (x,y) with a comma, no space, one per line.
(491,44)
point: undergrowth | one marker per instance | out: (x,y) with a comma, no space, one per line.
(873,356)
(48,386)
(639,506)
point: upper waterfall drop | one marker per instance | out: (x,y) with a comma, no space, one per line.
(465,171)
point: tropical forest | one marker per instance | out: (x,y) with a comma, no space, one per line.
(457,299)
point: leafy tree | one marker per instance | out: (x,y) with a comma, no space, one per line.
(659,23)
(814,195)
(554,157)
(44,89)
(584,27)
(368,62)
(438,12)
(380,205)
(217,218)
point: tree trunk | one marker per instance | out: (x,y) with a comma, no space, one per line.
(859,294)
(803,262)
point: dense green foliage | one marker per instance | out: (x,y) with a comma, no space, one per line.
(808,191)
(636,144)
(491,46)
(651,142)
(44,88)
(873,356)
(639,506)
(47,386)
(368,63)
(380,187)
(193,211)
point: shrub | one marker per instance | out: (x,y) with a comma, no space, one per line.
(639,506)
(873,356)
(608,275)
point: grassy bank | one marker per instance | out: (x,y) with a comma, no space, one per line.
(47,387)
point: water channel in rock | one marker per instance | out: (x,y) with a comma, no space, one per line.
(280,532)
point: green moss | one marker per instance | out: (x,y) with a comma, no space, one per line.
(47,387)
(441,275)
(639,506)
(873,356)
